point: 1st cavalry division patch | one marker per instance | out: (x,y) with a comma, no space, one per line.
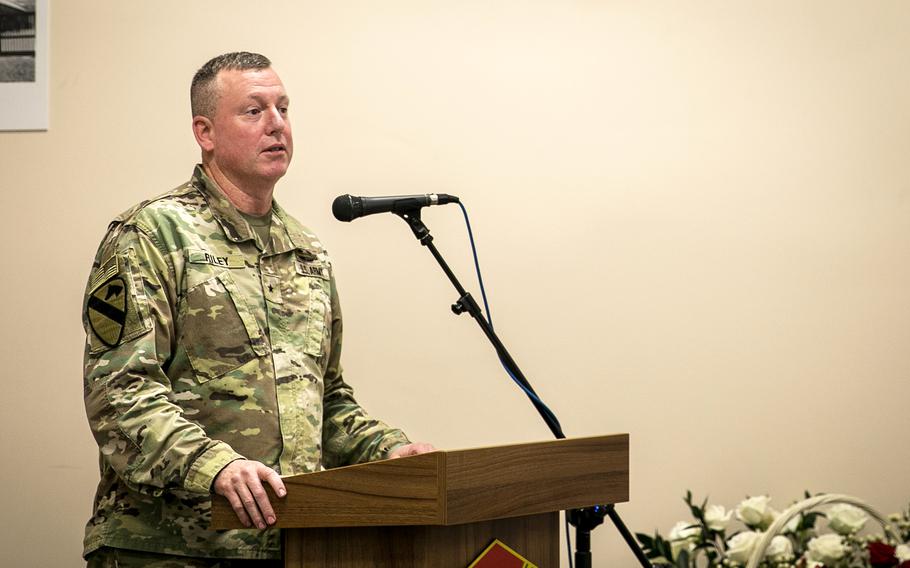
(106,311)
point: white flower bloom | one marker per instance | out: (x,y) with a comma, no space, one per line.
(809,563)
(683,531)
(779,548)
(677,546)
(827,548)
(753,510)
(846,519)
(740,547)
(902,552)
(793,524)
(682,537)
(717,518)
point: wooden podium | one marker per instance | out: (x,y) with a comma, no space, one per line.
(442,509)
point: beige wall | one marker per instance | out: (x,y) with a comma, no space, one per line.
(694,219)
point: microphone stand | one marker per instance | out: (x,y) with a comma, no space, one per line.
(584,520)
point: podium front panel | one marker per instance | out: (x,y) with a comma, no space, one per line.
(535,537)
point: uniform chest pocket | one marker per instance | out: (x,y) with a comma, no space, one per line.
(313,279)
(219,331)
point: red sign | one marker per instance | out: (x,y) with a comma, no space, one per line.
(498,555)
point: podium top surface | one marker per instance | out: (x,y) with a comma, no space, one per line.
(450,487)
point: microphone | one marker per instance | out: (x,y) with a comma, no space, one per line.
(348,207)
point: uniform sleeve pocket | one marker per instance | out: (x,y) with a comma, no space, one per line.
(315,277)
(220,333)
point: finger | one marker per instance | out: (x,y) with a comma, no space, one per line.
(274,480)
(237,506)
(250,505)
(412,450)
(401,451)
(262,501)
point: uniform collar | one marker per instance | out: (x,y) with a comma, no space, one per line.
(286,234)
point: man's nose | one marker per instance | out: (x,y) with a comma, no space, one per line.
(277,121)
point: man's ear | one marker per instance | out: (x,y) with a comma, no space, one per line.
(204,131)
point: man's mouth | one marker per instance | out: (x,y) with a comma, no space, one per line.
(274,149)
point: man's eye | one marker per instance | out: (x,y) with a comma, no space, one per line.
(253,111)
(283,110)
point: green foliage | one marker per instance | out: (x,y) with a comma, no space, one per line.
(656,549)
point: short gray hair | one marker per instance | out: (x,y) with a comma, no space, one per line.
(204,92)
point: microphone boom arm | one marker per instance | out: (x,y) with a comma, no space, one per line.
(467,303)
(584,520)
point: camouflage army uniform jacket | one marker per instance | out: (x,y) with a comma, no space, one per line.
(205,345)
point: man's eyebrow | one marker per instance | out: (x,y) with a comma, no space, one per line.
(261,99)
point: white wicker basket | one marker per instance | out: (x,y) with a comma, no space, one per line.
(777,526)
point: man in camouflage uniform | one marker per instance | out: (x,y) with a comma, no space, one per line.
(213,343)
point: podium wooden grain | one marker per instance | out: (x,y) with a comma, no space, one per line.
(443,508)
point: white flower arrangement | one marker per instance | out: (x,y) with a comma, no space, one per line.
(792,539)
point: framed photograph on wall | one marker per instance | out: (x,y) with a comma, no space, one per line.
(23,64)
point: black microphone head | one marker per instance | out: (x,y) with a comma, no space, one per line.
(343,208)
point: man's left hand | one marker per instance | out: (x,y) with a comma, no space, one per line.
(411,450)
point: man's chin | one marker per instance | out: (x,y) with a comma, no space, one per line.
(275,170)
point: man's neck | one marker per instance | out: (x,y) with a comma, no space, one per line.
(255,200)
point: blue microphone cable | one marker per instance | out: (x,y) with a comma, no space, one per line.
(486,307)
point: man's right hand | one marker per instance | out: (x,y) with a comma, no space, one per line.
(240,482)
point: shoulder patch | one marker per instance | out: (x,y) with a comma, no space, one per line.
(116,308)
(106,311)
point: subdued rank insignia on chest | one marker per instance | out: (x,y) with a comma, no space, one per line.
(106,309)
